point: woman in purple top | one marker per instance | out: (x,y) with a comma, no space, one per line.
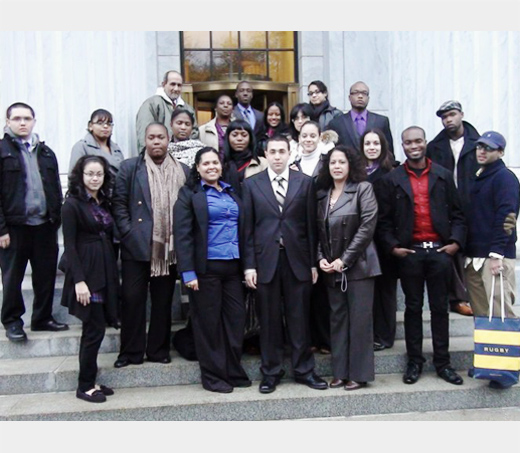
(91,286)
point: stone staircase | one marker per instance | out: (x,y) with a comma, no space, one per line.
(38,381)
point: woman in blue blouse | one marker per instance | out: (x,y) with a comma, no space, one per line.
(208,223)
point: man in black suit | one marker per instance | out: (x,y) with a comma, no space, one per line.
(422,225)
(280,207)
(244,110)
(351,125)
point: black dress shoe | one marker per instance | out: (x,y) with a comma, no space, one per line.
(498,386)
(96,396)
(15,334)
(379,346)
(313,381)
(336,383)
(450,376)
(107,391)
(121,363)
(354,385)
(269,383)
(49,326)
(413,371)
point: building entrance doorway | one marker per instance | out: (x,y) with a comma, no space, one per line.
(204,95)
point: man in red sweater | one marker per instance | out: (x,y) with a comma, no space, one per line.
(421,223)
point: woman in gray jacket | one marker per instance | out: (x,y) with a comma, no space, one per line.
(98,142)
(347,217)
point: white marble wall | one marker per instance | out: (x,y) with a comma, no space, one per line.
(410,74)
(67,75)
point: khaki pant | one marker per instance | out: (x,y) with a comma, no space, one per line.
(479,288)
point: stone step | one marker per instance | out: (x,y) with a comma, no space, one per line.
(58,374)
(41,344)
(387,395)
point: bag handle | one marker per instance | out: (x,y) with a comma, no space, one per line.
(493,280)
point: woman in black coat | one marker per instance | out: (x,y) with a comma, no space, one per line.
(91,286)
(322,112)
(209,220)
(347,217)
(379,161)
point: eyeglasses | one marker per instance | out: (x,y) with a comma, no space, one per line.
(92,175)
(312,93)
(486,148)
(104,123)
(356,92)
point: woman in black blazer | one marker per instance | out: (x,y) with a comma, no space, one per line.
(379,161)
(208,223)
(91,286)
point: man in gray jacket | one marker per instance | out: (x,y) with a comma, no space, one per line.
(159,107)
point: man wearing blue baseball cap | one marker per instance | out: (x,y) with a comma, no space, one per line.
(491,243)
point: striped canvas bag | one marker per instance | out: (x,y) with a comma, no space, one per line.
(497,344)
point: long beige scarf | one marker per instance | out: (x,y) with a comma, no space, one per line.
(165,181)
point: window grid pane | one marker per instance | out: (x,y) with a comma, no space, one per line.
(231,55)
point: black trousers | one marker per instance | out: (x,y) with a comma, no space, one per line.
(218,316)
(427,265)
(39,246)
(385,309)
(135,284)
(285,295)
(91,337)
(320,315)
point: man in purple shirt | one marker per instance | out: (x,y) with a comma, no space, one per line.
(351,125)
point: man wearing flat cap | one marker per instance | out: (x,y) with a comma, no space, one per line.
(454,149)
(491,244)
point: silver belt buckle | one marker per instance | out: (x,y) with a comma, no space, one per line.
(428,245)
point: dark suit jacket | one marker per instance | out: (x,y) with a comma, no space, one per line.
(265,224)
(348,134)
(259,124)
(191,228)
(132,208)
(396,208)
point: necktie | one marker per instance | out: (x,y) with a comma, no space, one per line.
(360,125)
(250,117)
(280,192)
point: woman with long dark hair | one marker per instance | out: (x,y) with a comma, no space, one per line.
(181,146)
(300,114)
(213,133)
(322,112)
(347,217)
(240,158)
(209,224)
(378,162)
(98,141)
(91,287)
(274,124)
